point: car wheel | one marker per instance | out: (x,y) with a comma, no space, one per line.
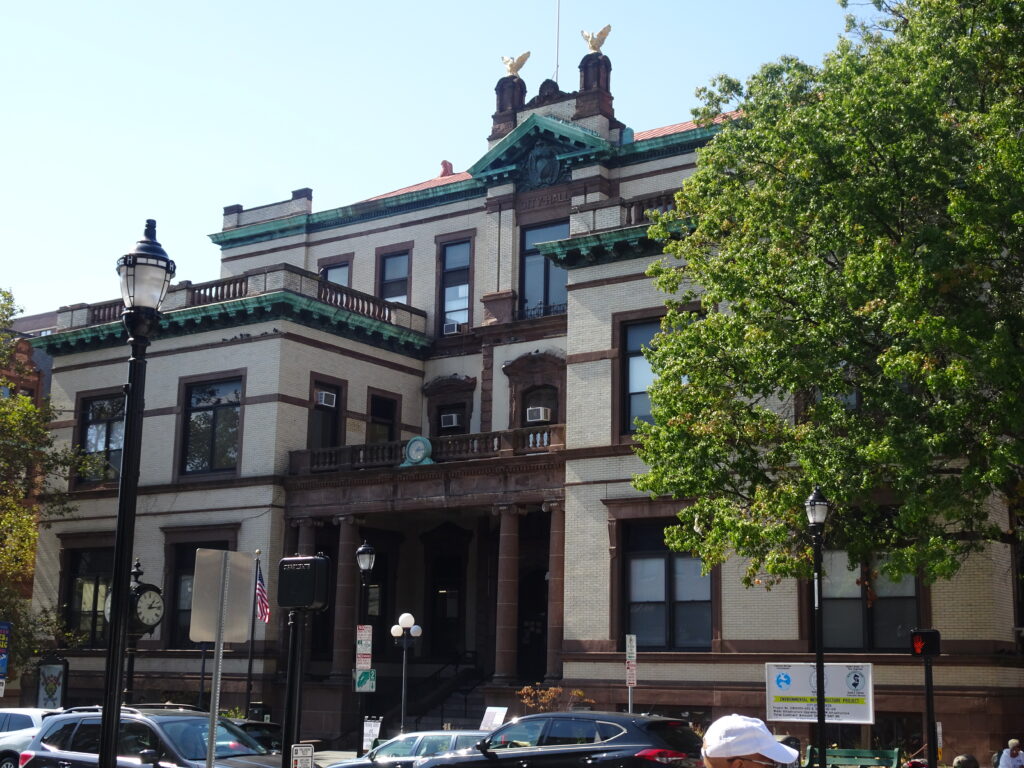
(8,760)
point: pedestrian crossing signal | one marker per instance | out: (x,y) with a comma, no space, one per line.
(924,642)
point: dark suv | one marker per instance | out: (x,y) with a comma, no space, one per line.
(150,735)
(564,739)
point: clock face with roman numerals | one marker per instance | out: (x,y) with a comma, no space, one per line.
(149,607)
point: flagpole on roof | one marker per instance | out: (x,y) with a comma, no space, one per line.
(252,633)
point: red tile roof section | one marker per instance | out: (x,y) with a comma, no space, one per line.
(654,133)
(689,125)
(437,181)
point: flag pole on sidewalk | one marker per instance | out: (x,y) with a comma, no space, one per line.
(260,610)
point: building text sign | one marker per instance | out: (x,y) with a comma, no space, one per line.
(791,693)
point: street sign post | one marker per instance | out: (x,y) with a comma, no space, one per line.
(302,756)
(364,680)
(630,671)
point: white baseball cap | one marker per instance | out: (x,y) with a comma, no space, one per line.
(736,735)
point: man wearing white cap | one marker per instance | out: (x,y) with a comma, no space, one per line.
(737,739)
(1011,757)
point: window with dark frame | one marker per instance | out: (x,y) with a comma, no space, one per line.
(865,610)
(542,284)
(212,415)
(455,283)
(89,572)
(336,273)
(668,600)
(183,572)
(103,436)
(383,424)
(394,277)
(325,416)
(637,373)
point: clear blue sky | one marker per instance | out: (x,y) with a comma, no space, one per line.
(116,111)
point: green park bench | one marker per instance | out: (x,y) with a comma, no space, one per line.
(848,758)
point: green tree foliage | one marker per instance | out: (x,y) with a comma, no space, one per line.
(856,231)
(32,470)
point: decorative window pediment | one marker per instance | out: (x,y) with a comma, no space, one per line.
(540,152)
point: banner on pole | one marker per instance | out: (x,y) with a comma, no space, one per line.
(792,696)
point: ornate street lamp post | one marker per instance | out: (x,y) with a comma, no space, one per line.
(365,557)
(405,633)
(145,273)
(816,507)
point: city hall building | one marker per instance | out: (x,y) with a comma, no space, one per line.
(451,372)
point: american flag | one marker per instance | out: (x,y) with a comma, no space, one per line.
(262,601)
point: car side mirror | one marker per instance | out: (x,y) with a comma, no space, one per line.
(149,757)
(483,745)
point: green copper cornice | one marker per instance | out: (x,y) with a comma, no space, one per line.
(602,248)
(366,210)
(664,146)
(282,305)
(499,165)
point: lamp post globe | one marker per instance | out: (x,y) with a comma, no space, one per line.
(366,555)
(405,632)
(145,273)
(817,508)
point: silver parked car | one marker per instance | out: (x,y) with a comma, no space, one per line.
(17,727)
(407,748)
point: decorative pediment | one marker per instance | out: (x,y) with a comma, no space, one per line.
(540,152)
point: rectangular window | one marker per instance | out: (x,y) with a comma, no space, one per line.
(541,282)
(394,278)
(637,374)
(103,435)
(183,575)
(669,600)
(455,282)
(336,273)
(88,579)
(383,420)
(325,416)
(212,415)
(864,609)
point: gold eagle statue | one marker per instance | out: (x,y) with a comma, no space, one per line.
(512,66)
(596,39)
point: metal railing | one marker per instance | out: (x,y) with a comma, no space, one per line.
(486,445)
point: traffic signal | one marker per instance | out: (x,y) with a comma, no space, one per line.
(924,642)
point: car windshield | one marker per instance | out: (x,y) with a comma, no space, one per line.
(188,735)
(676,735)
(399,747)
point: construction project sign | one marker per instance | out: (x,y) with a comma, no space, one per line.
(792,695)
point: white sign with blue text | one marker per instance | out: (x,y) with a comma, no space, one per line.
(792,693)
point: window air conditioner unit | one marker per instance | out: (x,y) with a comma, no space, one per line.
(450,420)
(326,399)
(449,329)
(537,414)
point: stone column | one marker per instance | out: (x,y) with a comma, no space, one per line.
(307,540)
(506,629)
(556,588)
(345,589)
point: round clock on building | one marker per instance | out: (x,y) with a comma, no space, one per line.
(147,607)
(417,452)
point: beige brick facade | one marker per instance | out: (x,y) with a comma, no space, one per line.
(510,614)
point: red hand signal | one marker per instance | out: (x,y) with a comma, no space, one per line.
(918,644)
